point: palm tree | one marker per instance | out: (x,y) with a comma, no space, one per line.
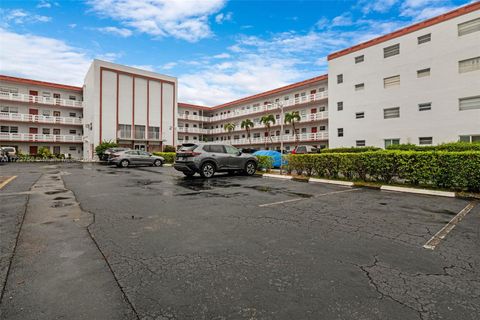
(267,121)
(247,124)
(229,127)
(291,118)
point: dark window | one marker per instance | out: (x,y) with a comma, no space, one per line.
(424,38)
(340,132)
(214,148)
(340,78)
(340,106)
(391,51)
(360,59)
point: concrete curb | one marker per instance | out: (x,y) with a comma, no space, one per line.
(429,192)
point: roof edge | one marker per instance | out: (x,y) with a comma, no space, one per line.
(193,106)
(40,83)
(409,29)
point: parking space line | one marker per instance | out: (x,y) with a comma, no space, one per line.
(299,199)
(440,235)
(7,181)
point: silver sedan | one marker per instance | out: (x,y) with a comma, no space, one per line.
(136,158)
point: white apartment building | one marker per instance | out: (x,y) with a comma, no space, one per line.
(419,85)
(309,98)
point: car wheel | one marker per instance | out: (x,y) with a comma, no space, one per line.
(189,174)
(250,168)
(124,163)
(158,163)
(207,170)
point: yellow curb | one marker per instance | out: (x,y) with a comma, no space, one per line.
(4,183)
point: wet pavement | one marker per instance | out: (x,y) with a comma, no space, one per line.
(251,248)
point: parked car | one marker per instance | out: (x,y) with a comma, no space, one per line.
(305,149)
(108,153)
(135,158)
(206,159)
(11,153)
(248,150)
(3,155)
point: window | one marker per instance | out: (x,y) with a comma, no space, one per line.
(46,113)
(8,109)
(339,78)
(72,114)
(256,135)
(425,106)
(286,98)
(391,51)
(232,150)
(304,130)
(359,115)
(340,105)
(475,138)
(425,140)
(391,81)
(423,73)
(389,113)
(140,132)
(154,133)
(469,27)
(323,128)
(360,143)
(425,38)
(72,148)
(46,94)
(469,65)
(359,86)
(359,59)
(125,131)
(72,131)
(56,131)
(13,129)
(340,132)
(287,131)
(469,103)
(72,98)
(8,90)
(389,142)
(4,129)
(45,131)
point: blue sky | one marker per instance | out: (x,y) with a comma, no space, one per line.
(220,50)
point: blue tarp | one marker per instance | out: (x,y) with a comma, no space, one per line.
(277,156)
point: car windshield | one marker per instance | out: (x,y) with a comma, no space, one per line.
(188,147)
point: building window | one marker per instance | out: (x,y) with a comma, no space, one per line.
(389,113)
(9,90)
(286,98)
(8,109)
(304,130)
(425,38)
(14,129)
(469,65)
(391,81)
(359,59)
(125,131)
(340,132)
(72,131)
(389,142)
(360,143)
(423,73)
(425,106)
(469,27)
(391,51)
(72,98)
(475,138)
(339,78)
(154,133)
(46,113)
(4,129)
(425,140)
(45,131)
(359,115)
(72,148)
(469,103)
(256,135)
(72,114)
(322,128)
(360,86)
(340,105)
(56,131)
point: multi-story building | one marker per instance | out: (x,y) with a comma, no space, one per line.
(419,85)
(308,98)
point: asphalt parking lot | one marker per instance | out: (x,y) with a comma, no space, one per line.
(87,241)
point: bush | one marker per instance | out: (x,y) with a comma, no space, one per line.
(452,146)
(168,156)
(350,150)
(44,153)
(265,163)
(444,169)
(168,148)
(102,147)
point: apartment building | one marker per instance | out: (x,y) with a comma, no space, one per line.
(223,123)
(419,85)
(36,114)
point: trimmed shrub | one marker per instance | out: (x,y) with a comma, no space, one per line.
(450,170)
(452,146)
(168,156)
(265,163)
(102,147)
(350,150)
(169,148)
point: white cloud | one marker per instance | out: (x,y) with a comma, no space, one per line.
(342,20)
(186,20)
(168,66)
(222,17)
(381,6)
(59,61)
(19,16)
(122,32)
(44,4)
(222,56)
(424,9)
(72,25)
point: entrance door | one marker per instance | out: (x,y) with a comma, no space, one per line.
(56,96)
(140,147)
(33,111)
(33,130)
(33,150)
(56,149)
(56,113)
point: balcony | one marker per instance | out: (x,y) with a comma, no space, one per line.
(29,137)
(193,130)
(21,117)
(319,136)
(183,116)
(18,97)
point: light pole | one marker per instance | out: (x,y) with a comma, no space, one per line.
(280,105)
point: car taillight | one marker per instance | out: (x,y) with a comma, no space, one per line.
(294,152)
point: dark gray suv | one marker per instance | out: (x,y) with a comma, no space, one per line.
(208,158)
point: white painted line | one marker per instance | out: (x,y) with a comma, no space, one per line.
(277,176)
(440,235)
(342,183)
(420,191)
(299,199)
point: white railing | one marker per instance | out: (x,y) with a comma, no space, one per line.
(7,116)
(37,99)
(30,137)
(183,116)
(193,130)
(319,136)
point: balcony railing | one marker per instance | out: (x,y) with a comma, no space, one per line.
(318,136)
(37,99)
(193,130)
(30,137)
(183,116)
(22,117)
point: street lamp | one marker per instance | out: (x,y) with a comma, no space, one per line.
(280,105)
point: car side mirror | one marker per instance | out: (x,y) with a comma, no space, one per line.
(239,153)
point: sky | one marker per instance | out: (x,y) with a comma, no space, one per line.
(219,50)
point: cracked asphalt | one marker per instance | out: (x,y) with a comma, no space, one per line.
(166,247)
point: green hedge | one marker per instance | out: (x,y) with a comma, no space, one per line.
(168,156)
(449,170)
(350,150)
(265,162)
(452,146)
